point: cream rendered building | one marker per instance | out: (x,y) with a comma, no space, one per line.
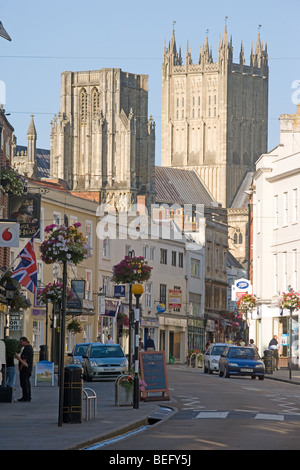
(276,242)
(215,114)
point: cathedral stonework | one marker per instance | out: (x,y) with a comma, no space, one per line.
(215,114)
(102,140)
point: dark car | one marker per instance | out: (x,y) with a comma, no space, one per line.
(238,360)
(78,352)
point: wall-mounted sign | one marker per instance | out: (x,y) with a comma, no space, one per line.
(240,288)
(9,234)
(174,298)
(26,210)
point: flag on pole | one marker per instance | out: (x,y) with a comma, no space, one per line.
(26,271)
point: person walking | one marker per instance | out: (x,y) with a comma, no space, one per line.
(149,346)
(274,346)
(25,368)
(109,340)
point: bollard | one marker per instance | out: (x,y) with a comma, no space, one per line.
(73,388)
(268,361)
(43,352)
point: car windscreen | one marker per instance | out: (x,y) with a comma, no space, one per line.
(217,350)
(106,351)
(241,353)
(80,349)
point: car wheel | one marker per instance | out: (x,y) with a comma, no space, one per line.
(205,370)
(261,377)
(253,377)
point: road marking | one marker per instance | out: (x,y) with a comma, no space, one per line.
(269,416)
(212,415)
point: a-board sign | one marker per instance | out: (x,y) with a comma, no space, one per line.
(154,373)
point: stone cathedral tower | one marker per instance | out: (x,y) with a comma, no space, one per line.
(215,114)
(102,142)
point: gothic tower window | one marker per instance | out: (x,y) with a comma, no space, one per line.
(83,104)
(237,237)
(95,101)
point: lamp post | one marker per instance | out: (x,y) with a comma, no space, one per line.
(137,290)
(131,253)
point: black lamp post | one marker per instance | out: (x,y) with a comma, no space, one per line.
(131,253)
(137,290)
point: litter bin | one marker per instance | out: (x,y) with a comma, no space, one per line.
(73,390)
(268,361)
(43,352)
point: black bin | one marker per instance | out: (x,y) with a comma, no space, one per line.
(268,361)
(73,389)
(43,352)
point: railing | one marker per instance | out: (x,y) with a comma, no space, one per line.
(90,396)
(196,356)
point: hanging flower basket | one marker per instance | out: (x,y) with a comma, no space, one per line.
(19,302)
(246,302)
(13,182)
(64,244)
(122,319)
(74,327)
(131,270)
(53,293)
(290,300)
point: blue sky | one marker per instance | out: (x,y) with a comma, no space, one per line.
(51,37)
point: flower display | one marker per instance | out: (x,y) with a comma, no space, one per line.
(122,319)
(13,182)
(290,300)
(53,293)
(127,381)
(246,302)
(64,244)
(74,327)
(131,270)
(19,302)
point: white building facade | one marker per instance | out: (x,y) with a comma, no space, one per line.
(276,237)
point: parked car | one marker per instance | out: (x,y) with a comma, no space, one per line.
(104,361)
(212,356)
(78,352)
(238,360)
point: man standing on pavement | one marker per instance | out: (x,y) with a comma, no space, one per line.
(274,346)
(25,368)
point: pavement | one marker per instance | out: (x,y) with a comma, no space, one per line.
(34,425)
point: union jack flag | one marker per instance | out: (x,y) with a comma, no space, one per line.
(26,272)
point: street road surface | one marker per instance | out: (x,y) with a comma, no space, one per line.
(222,414)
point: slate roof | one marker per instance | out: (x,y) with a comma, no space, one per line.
(182,186)
(42,160)
(241,199)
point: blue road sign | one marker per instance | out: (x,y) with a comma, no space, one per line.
(119,291)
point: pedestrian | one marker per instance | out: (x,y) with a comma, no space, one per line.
(149,346)
(141,345)
(9,371)
(25,368)
(242,342)
(274,346)
(228,340)
(109,340)
(252,345)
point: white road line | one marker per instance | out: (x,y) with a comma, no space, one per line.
(268,416)
(212,415)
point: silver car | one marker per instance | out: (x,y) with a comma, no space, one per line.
(104,361)
(78,352)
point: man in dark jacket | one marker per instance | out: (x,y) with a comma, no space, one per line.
(274,346)
(25,368)
(149,346)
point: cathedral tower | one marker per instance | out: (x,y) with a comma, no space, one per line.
(215,114)
(102,141)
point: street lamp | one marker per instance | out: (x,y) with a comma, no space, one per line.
(131,254)
(137,290)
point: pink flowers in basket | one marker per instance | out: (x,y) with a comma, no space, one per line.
(64,244)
